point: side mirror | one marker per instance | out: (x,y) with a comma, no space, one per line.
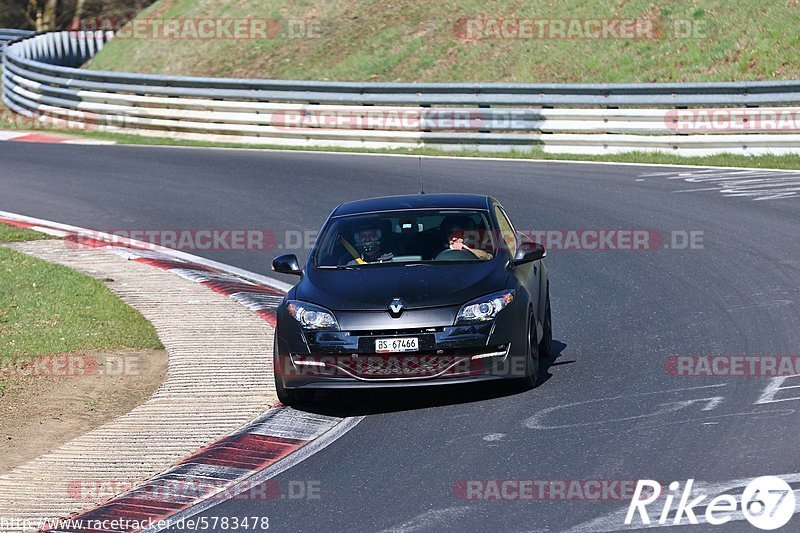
(287,264)
(528,252)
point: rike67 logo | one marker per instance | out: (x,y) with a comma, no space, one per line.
(767,502)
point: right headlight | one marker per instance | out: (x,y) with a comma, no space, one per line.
(484,308)
(311,316)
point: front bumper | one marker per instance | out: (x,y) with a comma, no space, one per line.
(446,354)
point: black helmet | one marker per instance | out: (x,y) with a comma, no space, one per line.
(367,239)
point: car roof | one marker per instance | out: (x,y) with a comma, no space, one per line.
(413,201)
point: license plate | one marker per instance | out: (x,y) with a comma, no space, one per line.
(400,344)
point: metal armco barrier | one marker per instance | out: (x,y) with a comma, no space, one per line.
(42,79)
(10,35)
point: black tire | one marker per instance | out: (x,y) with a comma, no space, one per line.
(286,396)
(546,345)
(531,378)
(292,397)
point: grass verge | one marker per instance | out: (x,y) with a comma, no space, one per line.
(9,233)
(788,162)
(48,309)
(417,41)
(72,355)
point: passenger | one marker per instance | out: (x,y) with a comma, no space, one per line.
(460,234)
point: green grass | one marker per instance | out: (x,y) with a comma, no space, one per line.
(791,161)
(48,309)
(348,31)
(9,233)
(416,40)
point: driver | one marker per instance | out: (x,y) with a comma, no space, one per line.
(368,242)
(457,229)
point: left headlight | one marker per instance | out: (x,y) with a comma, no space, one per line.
(484,308)
(311,316)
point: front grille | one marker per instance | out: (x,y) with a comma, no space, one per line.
(380,365)
(418,365)
(388,332)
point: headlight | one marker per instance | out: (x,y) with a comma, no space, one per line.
(311,316)
(484,308)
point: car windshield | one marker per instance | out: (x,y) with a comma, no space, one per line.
(419,236)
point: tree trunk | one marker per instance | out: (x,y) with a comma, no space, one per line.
(49,17)
(36,18)
(76,24)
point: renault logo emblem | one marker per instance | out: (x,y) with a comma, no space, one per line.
(396,308)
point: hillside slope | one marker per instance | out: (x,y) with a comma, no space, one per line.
(415,40)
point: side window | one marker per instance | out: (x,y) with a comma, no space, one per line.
(506,230)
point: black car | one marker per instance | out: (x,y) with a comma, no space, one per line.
(423,289)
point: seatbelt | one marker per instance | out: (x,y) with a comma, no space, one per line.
(353,252)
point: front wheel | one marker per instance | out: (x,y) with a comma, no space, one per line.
(546,345)
(290,397)
(531,378)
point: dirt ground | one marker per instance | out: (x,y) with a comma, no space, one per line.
(44,408)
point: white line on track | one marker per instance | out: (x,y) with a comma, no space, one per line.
(444,157)
(754,184)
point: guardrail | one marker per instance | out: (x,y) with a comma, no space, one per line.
(41,79)
(10,35)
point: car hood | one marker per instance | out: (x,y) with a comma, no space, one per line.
(373,288)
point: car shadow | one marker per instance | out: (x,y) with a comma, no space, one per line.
(361,402)
(546,364)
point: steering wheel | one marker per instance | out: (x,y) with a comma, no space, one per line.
(455,255)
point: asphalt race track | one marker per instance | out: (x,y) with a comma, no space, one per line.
(607,410)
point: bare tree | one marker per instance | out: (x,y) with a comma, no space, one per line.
(49,16)
(78,14)
(41,17)
(60,14)
(33,14)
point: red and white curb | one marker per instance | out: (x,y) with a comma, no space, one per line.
(35,137)
(122,245)
(237,464)
(273,442)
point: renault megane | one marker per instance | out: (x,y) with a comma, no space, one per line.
(425,289)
